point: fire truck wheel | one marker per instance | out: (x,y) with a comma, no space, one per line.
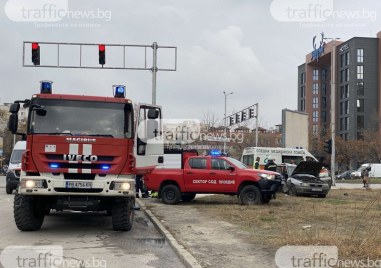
(250,195)
(170,194)
(187,197)
(122,214)
(28,212)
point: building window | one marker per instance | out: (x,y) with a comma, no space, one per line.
(360,72)
(315,74)
(315,88)
(323,102)
(360,88)
(344,92)
(315,116)
(315,130)
(324,89)
(324,75)
(342,60)
(360,136)
(302,78)
(324,116)
(344,107)
(360,55)
(302,105)
(360,105)
(344,123)
(360,122)
(315,102)
(346,75)
(302,92)
(341,76)
(347,58)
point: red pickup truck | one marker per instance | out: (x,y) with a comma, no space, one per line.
(213,175)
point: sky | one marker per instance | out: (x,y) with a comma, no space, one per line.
(248,47)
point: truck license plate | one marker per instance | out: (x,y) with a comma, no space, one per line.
(317,189)
(79,184)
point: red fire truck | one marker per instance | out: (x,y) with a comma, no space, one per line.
(213,174)
(82,154)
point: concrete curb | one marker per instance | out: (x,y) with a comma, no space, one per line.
(183,254)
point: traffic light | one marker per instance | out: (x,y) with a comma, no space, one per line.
(237,118)
(251,113)
(243,116)
(328,146)
(35,53)
(102,54)
(231,120)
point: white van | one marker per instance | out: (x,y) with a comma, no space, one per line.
(375,171)
(280,155)
(14,168)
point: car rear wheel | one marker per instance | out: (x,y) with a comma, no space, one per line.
(170,194)
(250,195)
(292,190)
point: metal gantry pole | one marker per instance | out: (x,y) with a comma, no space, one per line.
(154,72)
(225,94)
(256,124)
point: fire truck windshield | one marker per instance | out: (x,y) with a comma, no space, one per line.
(80,118)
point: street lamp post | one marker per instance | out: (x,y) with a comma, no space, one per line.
(225,94)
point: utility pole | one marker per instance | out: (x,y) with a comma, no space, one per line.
(256,124)
(226,94)
(333,109)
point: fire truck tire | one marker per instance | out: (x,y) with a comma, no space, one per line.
(28,212)
(250,195)
(8,189)
(187,197)
(170,194)
(122,214)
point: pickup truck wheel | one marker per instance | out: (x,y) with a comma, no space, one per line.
(122,214)
(170,194)
(187,197)
(250,195)
(28,213)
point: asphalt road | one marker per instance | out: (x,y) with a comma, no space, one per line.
(88,237)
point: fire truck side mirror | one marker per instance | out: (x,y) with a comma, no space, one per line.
(13,122)
(14,108)
(153,114)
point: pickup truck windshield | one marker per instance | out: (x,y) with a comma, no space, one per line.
(237,163)
(82,118)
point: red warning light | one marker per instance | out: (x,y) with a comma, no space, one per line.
(34,45)
(102,48)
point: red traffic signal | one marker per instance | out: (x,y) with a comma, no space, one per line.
(102,54)
(36,53)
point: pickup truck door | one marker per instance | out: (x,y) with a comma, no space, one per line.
(148,145)
(222,175)
(195,175)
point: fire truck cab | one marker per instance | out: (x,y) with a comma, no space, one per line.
(81,155)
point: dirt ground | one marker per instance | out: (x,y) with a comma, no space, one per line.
(220,232)
(213,241)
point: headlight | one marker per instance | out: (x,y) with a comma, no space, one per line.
(32,183)
(122,186)
(267,176)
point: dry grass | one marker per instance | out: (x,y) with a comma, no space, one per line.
(349,219)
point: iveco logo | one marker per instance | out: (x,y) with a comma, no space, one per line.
(81,139)
(79,157)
